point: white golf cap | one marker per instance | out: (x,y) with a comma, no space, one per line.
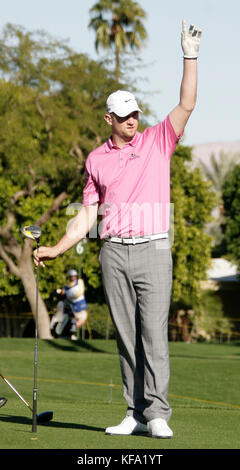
(72,272)
(122,103)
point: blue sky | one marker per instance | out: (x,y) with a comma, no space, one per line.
(216,116)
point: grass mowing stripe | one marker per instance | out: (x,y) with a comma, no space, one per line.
(66,381)
(82,382)
(182,397)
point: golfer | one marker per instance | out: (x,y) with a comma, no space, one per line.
(128,182)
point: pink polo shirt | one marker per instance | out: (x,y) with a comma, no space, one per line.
(132,184)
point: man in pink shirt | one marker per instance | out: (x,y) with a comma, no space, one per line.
(128,183)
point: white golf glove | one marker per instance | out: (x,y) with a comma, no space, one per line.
(190,41)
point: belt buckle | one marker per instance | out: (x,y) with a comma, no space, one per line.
(129,241)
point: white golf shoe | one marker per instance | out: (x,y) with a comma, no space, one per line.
(158,427)
(128,426)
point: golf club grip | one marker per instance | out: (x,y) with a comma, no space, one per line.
(34,416)
(14,389)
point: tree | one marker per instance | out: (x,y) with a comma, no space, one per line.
(191,250)
(117,25)
(220,168)
(217,172)
(209,320)
(193,203)
(52,103)
(231,200)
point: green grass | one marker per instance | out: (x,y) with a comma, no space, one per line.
(81,383)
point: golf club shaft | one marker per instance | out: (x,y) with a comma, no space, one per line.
(34,232)
(34,421)
(14,389)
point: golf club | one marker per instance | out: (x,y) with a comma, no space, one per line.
(41,418)
(34,232)
(3,401)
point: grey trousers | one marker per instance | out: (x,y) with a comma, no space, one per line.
(137,282)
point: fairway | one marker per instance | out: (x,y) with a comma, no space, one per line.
(81,383)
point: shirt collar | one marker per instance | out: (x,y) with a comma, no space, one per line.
(109,144)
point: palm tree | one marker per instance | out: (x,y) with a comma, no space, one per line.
(118,24)
(220,168)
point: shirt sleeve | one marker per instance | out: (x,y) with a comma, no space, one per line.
(166,138)
(91,193)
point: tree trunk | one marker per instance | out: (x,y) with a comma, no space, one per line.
(29,283)
(117,65)
(23,268)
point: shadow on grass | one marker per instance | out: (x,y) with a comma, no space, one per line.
(68,345)
(52,424)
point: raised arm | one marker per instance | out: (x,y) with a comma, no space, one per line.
(78,229)
(188,92)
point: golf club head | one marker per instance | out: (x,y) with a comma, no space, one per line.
(3,401)
(32,231)
(44,417)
